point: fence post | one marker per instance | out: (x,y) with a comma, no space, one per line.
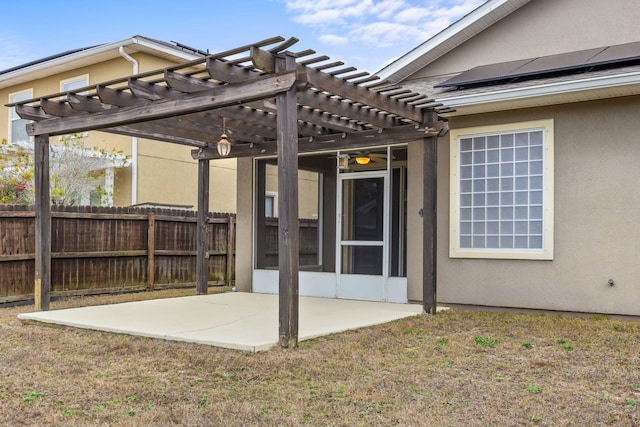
(151,248)
(231,231)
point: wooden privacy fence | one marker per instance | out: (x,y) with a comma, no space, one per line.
(98,250)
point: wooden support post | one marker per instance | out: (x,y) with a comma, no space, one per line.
(202,256)
(429,299)
(42,288)
(231,238)
(151,248)
(288,229)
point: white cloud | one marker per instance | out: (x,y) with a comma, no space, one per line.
(333,39)
(385,34)
(385,9)
(413,14)
(328,12)
(325,17)
(378,23)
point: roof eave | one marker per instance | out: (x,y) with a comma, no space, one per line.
(544,94)
(88,57)
(449,38)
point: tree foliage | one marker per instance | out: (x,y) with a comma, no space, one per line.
(16,174)
(76,172)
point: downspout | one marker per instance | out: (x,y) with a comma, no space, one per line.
(134,140)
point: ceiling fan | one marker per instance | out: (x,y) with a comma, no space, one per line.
(361,158)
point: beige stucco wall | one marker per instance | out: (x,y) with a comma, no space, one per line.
(597,212)
(244,226)
(544,27)
(307,190)
(415,180)
(168,174)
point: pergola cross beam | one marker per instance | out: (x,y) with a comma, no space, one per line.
(221,96)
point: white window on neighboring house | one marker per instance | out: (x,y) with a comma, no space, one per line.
(74,83)
(17,126)
(502,191)
(270,204)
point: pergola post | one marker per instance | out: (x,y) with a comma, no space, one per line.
(288,230)
(202,234)
(42,285)
(429,252)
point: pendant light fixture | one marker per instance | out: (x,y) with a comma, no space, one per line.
(223,146)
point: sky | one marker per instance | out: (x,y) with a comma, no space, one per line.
(366,34)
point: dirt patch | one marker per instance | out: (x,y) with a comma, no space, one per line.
(455,368)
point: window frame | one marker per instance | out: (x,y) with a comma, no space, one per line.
(71,80)
(546,252)
(13,115)
(273,195)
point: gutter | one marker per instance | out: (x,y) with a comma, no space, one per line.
(134,140)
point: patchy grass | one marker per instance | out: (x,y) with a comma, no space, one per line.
(425,370)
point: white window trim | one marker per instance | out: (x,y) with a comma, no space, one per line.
(548,187)
(74,79)
(10,120)
(273,194)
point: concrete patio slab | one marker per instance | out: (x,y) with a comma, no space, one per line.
(236,320)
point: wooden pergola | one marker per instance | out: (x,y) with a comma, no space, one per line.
(269,101)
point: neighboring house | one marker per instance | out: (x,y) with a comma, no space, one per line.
(538,204)
(156,172)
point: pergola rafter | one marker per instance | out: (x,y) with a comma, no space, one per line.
(327,103)
(266,99)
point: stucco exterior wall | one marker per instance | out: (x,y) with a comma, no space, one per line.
(597,212)
(544,27)
(307,190)
(415,181)
(244,226)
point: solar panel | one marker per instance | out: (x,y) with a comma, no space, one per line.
(533,67)
(617,53)
(563,61)
(484,73)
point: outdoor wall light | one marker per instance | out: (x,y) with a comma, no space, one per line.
(343,161)
(363,160)
(223,146)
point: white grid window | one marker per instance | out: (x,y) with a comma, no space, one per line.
(501,192)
